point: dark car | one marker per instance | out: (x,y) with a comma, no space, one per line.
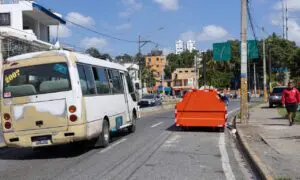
(275,96)
(149,100)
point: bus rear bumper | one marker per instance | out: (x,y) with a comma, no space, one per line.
(47,138)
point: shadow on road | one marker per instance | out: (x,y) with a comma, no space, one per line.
(173,128)
(276,124)
(55,152)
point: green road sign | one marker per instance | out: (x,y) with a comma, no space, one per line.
(252,46)
(222,51)
(253,49)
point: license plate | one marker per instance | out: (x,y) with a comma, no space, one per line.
(41,143)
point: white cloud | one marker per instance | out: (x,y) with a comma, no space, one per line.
(294,31)
(208,33)
(212,32)
(293,5)
(124,26)
(125,14)
(168,4)
(131,7)
(80,19)
(63,31)
(134,4)
(167,51)
(189,35)
(99,43)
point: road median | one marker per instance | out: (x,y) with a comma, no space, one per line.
(157,109)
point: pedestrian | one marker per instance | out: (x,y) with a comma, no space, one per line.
(291,100)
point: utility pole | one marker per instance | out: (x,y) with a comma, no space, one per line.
(282,16)
(254,78)
(140,63)
(265,72)
(196,83)
(204,69)
(244,94)
(270,71)
(286,20)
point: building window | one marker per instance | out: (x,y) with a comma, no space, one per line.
(178,83)
(192,71)
(162,59)
(185,82)
(149,60)
(186,71)
(157,66)
(4,19)
(180,71)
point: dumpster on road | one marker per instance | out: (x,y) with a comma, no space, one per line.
(201,108)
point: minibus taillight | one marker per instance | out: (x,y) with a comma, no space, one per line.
(73,118)
(72,109)
(6,116)
(7,125)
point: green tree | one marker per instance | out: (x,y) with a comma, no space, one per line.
(93,52)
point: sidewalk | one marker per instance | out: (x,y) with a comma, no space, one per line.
(273,143)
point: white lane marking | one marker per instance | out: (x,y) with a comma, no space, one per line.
(225,159)
(112,146)
(157,124)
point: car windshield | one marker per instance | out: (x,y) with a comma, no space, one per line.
(148,97)
(278,90)
(37,79)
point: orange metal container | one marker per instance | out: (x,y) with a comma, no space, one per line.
(201,108)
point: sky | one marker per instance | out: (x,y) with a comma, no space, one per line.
(165,21)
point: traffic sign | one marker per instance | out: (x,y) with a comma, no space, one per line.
(252,49)
(222,51)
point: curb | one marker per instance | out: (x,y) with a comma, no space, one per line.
(253,157)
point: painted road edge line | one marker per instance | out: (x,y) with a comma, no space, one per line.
(225,159)
(157,124)
(112,146)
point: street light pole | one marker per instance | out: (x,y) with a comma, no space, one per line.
(244,93)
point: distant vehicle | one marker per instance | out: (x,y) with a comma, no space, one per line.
(60,97)
(276,95)
(149,100)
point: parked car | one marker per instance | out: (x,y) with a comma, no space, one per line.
(149,100)
(275,96)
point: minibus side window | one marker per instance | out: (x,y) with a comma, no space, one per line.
(101,80)
(83,80)
(90,80)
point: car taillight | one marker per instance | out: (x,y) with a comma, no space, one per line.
(72,109)
(6,116)
(73,118)
(7,125)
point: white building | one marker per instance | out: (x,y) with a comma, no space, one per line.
(133,70)
(191,45)
(180,47)
(26,23)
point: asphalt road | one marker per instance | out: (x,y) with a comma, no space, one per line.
(155,151)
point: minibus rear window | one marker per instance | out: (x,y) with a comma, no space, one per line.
(36,79)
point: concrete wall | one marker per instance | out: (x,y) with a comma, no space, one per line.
(16,15)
